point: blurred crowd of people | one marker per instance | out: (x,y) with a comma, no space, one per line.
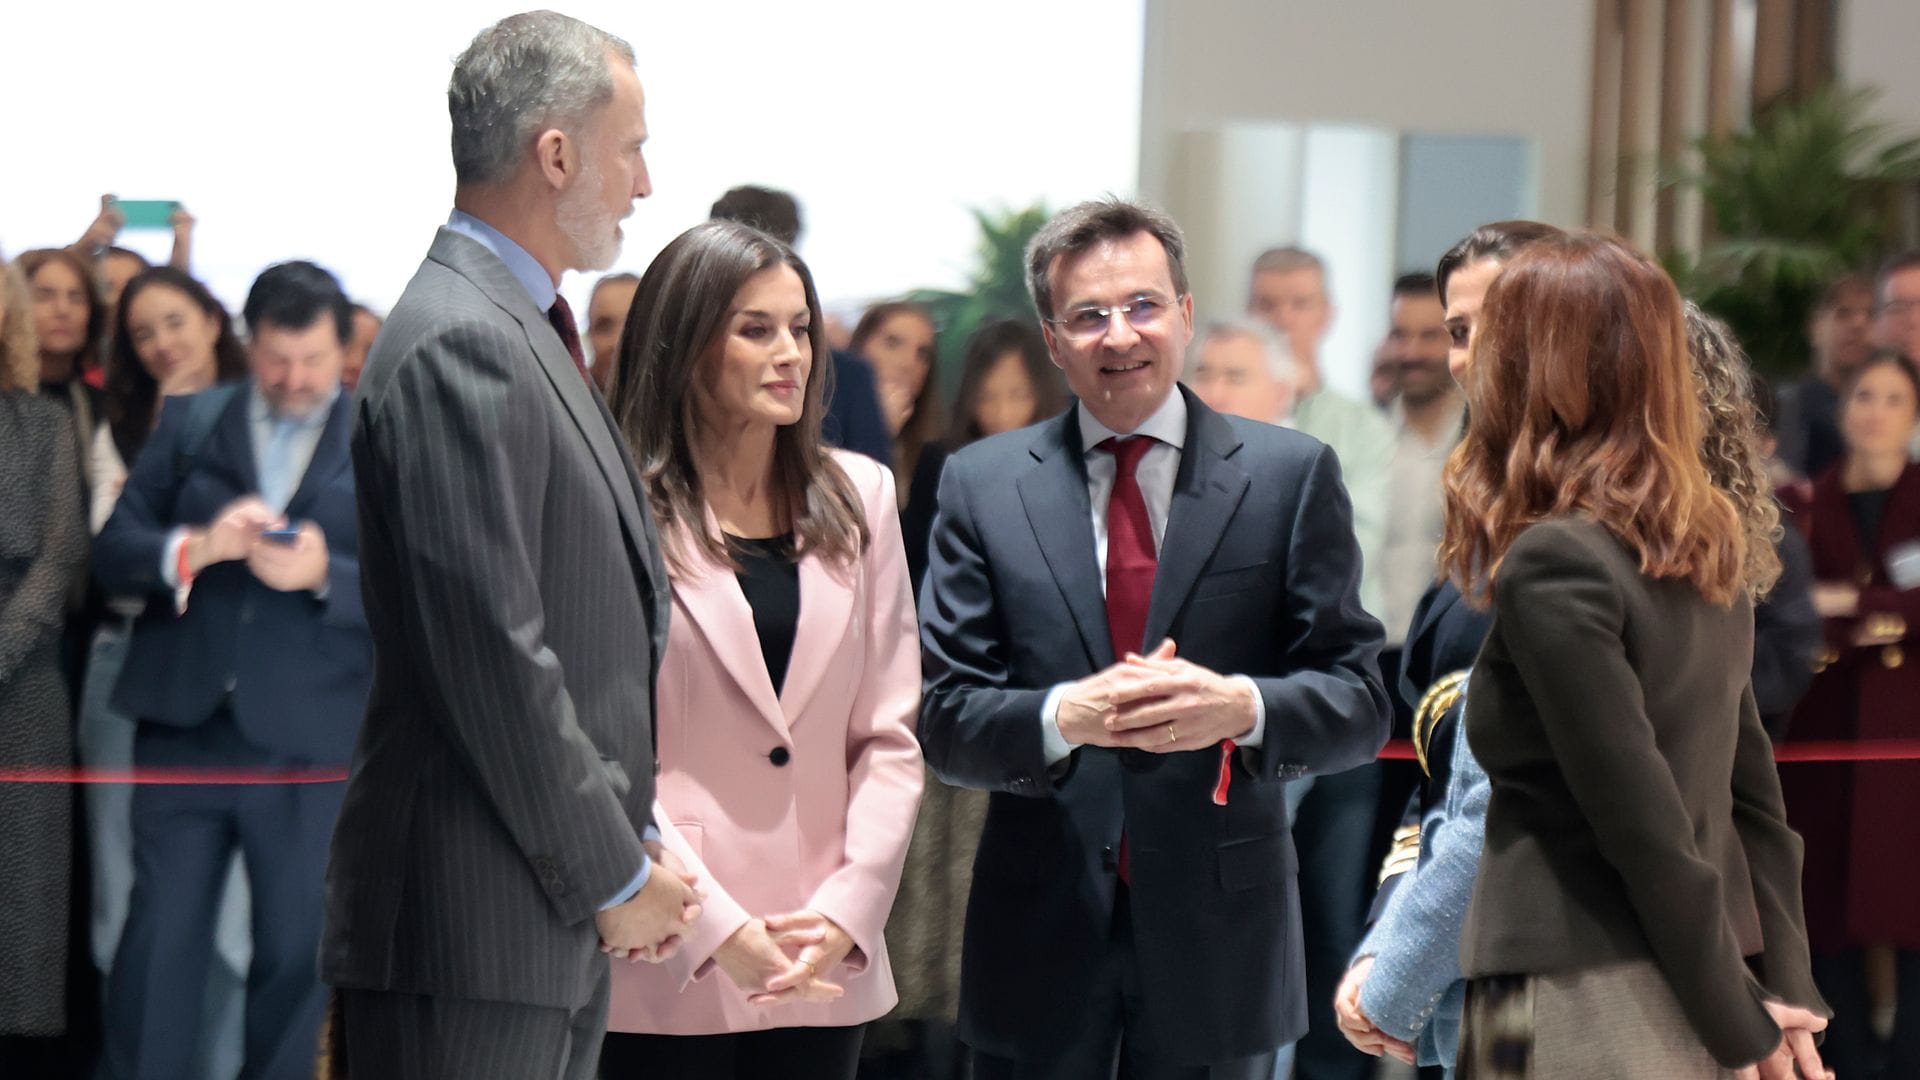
(161,454)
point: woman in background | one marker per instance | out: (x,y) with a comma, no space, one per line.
(1006,382)
(790,682)
(898,339)
(1861,820)
(43,547)
(170,337)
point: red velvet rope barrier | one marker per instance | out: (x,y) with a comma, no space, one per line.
(1797,750)
(1793,750)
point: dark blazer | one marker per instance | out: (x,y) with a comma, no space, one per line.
(1786,635)
(513,581)
(293,668)
(923,502)
(1861,819)
(1635,811)
(1258,576)
(854,420)
(1443,639)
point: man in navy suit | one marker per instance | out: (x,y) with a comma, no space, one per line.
(238,523)
(1139,618)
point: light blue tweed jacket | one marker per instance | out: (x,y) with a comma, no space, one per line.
(1415,992)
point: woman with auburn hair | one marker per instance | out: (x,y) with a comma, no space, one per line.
(790,682)
(1637,911)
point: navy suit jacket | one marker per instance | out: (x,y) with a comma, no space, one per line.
(293,668)
(854,420)
(1258,575)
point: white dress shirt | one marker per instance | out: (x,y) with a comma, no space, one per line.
(1155,474)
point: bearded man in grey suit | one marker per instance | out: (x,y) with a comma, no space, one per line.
(497,834)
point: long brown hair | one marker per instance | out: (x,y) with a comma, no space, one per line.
(31,262)
(923,426)
(680,310)
(131,394)
(1582,402)
(984,351)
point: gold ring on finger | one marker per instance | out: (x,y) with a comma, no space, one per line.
(1172,736)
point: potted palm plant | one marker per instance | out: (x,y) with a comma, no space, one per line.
(1813,189)
(996,287)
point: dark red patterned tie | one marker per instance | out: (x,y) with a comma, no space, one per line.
(561,316)
(1131,562)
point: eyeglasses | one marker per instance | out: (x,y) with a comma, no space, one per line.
(1092,322)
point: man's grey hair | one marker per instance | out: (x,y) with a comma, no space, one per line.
(520,76)
(1279,356)
(1080,227)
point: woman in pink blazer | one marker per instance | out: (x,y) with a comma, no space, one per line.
(789,769)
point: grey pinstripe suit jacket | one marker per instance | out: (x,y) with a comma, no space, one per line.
(519,610)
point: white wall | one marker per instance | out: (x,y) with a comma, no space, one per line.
(1879,44)
(321,130)
(1518,68)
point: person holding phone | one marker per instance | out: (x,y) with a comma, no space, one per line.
(238,526)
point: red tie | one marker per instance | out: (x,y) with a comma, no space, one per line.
(561,316)
(1130,554)
(1131,561)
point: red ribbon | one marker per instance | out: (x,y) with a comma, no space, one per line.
(172,776)
(1226,773)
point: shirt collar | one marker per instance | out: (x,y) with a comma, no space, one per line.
(1168,424)
(524,267)
(261,412)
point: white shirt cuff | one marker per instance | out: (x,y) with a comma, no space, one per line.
(1259,733)
(1053,744)
(170,557)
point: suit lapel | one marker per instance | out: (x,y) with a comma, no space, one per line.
(1206,491)
(230,445)
(827,598)
(474,262)
(712,599)
(1054,494)
(329,455)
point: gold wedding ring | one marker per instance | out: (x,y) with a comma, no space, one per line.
(810,970)
(1172,737)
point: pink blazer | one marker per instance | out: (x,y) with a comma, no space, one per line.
(827,828)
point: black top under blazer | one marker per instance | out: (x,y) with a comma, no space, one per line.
(1636,811)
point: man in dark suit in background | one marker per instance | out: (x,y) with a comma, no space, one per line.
(497,830)
(1139,618)
(238,523)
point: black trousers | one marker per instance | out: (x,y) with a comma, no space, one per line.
(798,1053)
(184,837)
(416,1037)
(1113,1051)
(1851,1049)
